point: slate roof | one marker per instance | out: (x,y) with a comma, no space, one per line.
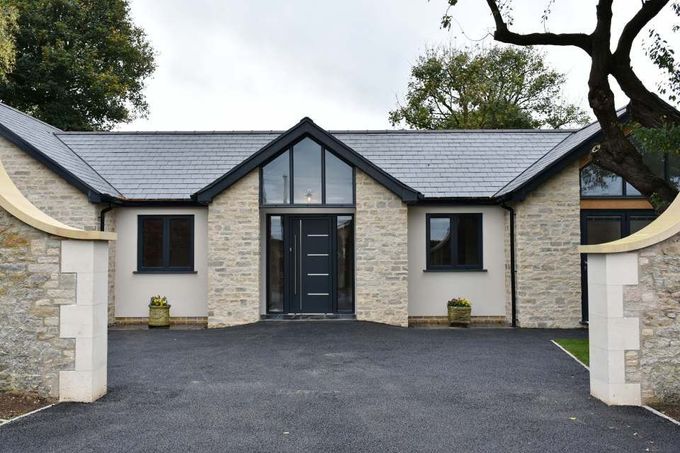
(35,136)
(582,138)
(461,164)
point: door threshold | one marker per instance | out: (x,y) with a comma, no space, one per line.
(308,317)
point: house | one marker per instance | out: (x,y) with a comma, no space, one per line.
(382,226)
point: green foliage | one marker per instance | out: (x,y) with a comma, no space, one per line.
(662,54)
(578,347)
(80,64)
(659,140)
(480,88)
(8,23)
(159,301)
(459,302)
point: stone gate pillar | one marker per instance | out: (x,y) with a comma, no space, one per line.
(634,313)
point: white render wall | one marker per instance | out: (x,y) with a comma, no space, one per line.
(429,291)
(187,293)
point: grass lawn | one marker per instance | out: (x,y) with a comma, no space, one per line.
(577,346)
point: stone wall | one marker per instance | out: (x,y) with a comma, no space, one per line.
(381,242)
(32,290)
(655,301)
(547,235)
(54,196)
(48,191)
(234,254)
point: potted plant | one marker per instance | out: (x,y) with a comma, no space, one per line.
(159,312)
(460,310)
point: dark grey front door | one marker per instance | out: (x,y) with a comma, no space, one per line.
(313,266)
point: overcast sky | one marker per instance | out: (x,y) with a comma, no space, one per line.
(264,64)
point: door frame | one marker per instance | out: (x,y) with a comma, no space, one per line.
(625,215)
(287,219)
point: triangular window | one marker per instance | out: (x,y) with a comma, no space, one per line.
(307,174)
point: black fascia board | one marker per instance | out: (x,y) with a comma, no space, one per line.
(522,191)
(305,128)
(92,194)
(582,148)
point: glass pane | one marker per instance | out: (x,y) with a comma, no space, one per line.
(440,241)
(601,229)
(180,242)
(307,172)
(639,222)
(469,240)
(152,242)
(345,263)
(339,189)
(596,182)
(276,181)
(674,169)
(276,263)
(632,191)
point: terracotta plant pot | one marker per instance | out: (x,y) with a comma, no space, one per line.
(459,316)
(159,316)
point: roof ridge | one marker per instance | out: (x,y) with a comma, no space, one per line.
(88,165)
(340,131)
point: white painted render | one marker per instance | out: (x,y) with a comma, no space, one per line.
(186,293)
(428,292)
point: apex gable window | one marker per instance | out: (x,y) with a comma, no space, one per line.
(454,241)
(165,243)
(307,174)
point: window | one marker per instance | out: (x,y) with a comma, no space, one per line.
(165,243)
(276,260)
(311,173)
(598,227)
(276,181)
(454,241)
(599,183)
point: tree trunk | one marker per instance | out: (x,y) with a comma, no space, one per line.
(616,153)
(647,108)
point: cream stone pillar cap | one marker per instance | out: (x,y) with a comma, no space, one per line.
(14,202)
(664,227)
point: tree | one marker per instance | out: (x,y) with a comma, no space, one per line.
(80,64)
(617,152)
(8,22)
(495,88)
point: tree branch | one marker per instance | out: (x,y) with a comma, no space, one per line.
(503,34)
(647,12)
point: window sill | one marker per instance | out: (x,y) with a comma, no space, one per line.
(160,271)
(455,270)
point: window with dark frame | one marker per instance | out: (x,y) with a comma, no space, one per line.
(597,182)
(165,243)
(307,174)
(454,241)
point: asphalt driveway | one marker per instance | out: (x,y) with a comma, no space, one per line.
(341,386)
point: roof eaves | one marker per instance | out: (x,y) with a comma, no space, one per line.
(91,192)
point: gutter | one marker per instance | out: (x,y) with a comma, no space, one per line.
(102,217)
(513,276)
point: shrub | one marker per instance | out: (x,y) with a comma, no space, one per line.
(159,301)
(459,302)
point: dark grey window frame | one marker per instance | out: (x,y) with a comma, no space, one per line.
(454,267)
(291,178)
(166,268)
